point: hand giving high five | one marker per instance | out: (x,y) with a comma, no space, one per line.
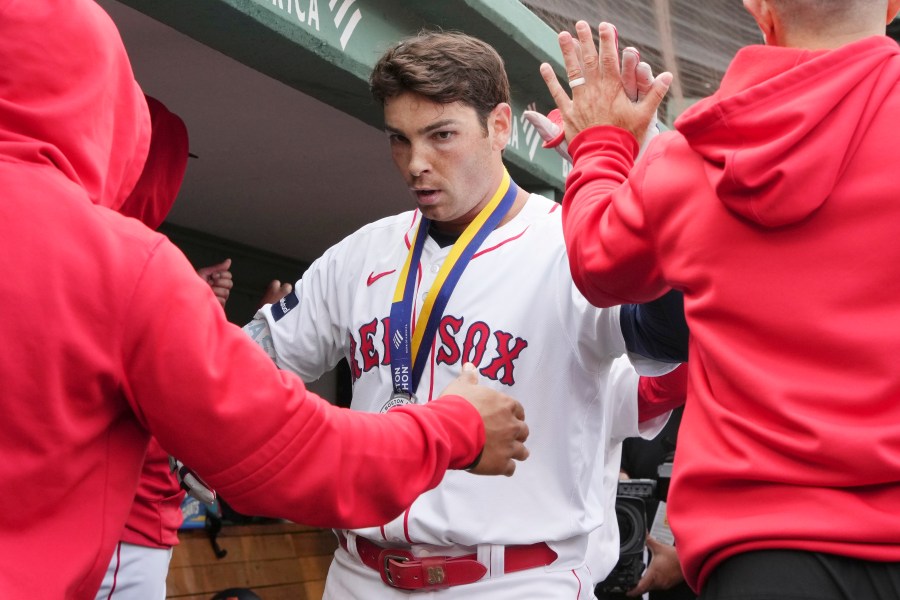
(600,95)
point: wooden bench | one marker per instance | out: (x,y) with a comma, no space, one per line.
(278,561)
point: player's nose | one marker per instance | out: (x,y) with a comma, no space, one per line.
(419,162)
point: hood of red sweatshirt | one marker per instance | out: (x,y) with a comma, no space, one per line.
(156,189)
(778,133)
(69,100)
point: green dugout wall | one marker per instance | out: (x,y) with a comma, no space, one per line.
(326,49)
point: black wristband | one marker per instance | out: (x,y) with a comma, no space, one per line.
(475,462)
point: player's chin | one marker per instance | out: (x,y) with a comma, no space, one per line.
(431,212)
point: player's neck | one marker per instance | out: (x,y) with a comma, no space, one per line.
(443,237)
(518,204)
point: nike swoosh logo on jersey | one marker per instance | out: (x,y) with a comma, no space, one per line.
(373,277)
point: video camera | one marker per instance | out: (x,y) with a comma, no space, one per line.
(632,519)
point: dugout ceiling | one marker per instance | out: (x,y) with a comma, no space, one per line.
(262,83)
(291,156)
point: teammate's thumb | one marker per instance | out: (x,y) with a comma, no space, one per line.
(654,545)
(469,373)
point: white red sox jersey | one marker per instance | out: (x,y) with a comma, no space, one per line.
(621,423)
(516,314)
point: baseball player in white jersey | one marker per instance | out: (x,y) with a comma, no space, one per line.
(477,273)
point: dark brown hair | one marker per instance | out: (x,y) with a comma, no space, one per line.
(444,67)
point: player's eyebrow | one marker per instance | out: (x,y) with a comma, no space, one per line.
(427,129)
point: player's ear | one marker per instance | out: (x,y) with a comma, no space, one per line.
(762,14)
(499,124)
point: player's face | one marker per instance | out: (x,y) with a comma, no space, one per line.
(451,165)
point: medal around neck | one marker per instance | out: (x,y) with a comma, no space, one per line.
(399,399)
(407,362)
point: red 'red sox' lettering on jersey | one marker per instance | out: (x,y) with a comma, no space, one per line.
(494,352)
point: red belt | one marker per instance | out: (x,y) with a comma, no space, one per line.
(400,569)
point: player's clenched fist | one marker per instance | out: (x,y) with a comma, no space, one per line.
(505,430)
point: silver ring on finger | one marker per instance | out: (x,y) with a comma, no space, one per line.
(574,83)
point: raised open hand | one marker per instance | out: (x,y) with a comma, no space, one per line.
(602,94)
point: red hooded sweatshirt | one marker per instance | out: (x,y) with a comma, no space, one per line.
(156,512)
(109,335)
(774,208)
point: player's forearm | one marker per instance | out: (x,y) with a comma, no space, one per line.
(350,469)
(305,361)
(259,332)
(257,436)
(610,262)
(270,447)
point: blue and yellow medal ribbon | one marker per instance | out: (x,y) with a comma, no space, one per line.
(407,362)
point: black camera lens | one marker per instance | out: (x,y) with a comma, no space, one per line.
(630,515)
(626,525)
(631,518)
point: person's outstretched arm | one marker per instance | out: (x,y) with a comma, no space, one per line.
(271,448)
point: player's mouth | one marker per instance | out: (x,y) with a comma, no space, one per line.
(426,196)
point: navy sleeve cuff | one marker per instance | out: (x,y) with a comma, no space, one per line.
(656,329)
